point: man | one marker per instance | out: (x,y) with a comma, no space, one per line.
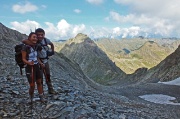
(43,56)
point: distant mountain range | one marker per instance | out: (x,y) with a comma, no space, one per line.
(131,54)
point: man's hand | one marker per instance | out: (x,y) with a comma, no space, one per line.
(42,65)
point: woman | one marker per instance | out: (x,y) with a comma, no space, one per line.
(33,72)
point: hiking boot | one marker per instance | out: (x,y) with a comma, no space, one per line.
(51,91)
(50,88)
(30,100)
(42,99)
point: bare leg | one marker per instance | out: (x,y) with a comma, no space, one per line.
(39,86)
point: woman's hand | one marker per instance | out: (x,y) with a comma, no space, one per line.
(30,63)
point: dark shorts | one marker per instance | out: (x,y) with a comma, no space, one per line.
(36,72)
(47,68)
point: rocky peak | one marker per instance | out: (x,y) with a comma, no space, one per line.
(93,61)
(79,38)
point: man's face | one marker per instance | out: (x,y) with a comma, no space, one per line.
(40,35)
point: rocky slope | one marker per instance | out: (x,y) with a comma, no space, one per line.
(93,61)
(8,38)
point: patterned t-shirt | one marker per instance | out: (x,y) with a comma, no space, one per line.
(43,53)
(31,53)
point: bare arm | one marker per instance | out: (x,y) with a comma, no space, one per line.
(25,60)
(52,46)
(27,42)
(41,64)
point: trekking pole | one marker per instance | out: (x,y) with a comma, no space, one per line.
(32,84)
(32,74)
(31,109)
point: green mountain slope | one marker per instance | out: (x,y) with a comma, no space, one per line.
(129,55)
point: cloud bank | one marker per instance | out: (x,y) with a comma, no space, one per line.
(63,30)
(148,18)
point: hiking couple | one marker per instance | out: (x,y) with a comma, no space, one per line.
(35,54)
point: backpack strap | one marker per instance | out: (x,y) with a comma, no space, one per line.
(45,40)
(28,47)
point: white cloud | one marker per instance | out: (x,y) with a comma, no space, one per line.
(155,25)
(99,32)
(159,8)
(125,32)
(63,30)
(117,30)
(95,2)
(77,10)
(51,31)
(25,27)
(24,8)
(142,26)
(158,16)
(133,19)
(78,29)
(67,30)
(119,18)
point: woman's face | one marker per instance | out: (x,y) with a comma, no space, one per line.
(33,38)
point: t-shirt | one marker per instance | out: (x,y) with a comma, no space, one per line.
(43,53)
(31,53)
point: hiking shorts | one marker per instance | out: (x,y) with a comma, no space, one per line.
(36,72)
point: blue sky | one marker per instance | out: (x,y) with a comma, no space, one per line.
(63,19)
